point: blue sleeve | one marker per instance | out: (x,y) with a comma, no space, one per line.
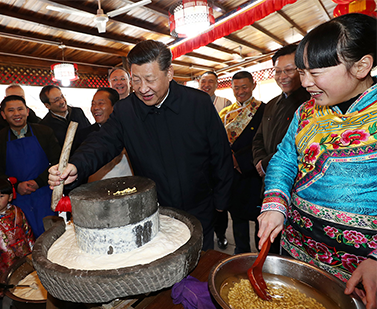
(283,167)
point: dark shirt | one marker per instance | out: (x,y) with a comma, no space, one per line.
(276,119)
(46,139)
(242,147)
(182,146)
(82,134)
(60,125)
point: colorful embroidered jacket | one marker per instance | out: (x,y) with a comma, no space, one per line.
(16,237)
(328,161)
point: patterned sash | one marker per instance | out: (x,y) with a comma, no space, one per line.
(335,241)
(235,121)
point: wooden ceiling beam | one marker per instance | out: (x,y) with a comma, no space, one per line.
(269,34)
(323,9)
(38,18)
(192,65)
(247,62)
(291,22)
(200,56)
(218,7)
(47,40)
(6,10)
(236,39)
(125,19)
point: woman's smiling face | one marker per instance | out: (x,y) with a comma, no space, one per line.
(331,85)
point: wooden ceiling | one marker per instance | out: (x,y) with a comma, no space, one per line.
(33,35)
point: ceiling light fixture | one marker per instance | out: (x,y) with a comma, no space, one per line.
(190,17)
(64,72)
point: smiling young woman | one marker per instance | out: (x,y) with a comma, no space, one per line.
(322,179)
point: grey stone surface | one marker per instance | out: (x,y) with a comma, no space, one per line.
(95,206)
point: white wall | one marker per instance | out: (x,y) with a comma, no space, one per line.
(77,97)
(265,90)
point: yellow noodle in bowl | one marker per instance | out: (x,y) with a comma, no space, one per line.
(242,296)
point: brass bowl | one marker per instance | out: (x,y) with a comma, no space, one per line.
(280,269)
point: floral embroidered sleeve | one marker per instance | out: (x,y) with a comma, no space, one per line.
(281,172)
(373,254)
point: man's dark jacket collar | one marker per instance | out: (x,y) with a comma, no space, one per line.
(172,102)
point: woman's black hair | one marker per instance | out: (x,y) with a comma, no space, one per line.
(5,186)
(345,39)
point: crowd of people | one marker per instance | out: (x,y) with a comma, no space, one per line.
(300,166)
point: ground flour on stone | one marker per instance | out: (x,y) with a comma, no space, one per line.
(172,235)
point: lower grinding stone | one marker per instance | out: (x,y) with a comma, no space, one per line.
(101,286)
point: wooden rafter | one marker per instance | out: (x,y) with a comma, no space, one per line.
(291,22)
(269,34)
(234,38)
(323,9)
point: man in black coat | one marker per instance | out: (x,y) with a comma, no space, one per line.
(172,135)
(102,106)
(241,121)
(279,112)
(59,113)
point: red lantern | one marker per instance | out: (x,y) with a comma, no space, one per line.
(342,1)
(340,9)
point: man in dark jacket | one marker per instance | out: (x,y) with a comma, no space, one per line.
(172,135)
(278,112)
(241,121)
(59,113)
(102,106)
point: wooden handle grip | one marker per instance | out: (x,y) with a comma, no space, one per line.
(57,193)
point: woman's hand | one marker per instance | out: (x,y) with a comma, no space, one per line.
(270,225)
(366,273)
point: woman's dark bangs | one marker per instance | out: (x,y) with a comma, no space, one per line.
(319,48)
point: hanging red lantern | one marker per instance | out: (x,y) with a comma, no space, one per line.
(342,1)
(340,9)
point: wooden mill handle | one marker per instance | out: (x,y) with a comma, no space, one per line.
(57,193)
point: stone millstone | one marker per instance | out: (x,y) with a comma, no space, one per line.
(93,203)
(111,224)
(101,286)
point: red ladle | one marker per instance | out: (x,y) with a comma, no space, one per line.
(255,272)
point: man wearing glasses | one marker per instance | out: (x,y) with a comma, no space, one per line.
(278,112)
(59,113)
(119,80)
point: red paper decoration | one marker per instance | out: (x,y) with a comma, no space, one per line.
(366,7)
(342,1)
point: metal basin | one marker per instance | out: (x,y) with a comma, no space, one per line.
(287,271)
